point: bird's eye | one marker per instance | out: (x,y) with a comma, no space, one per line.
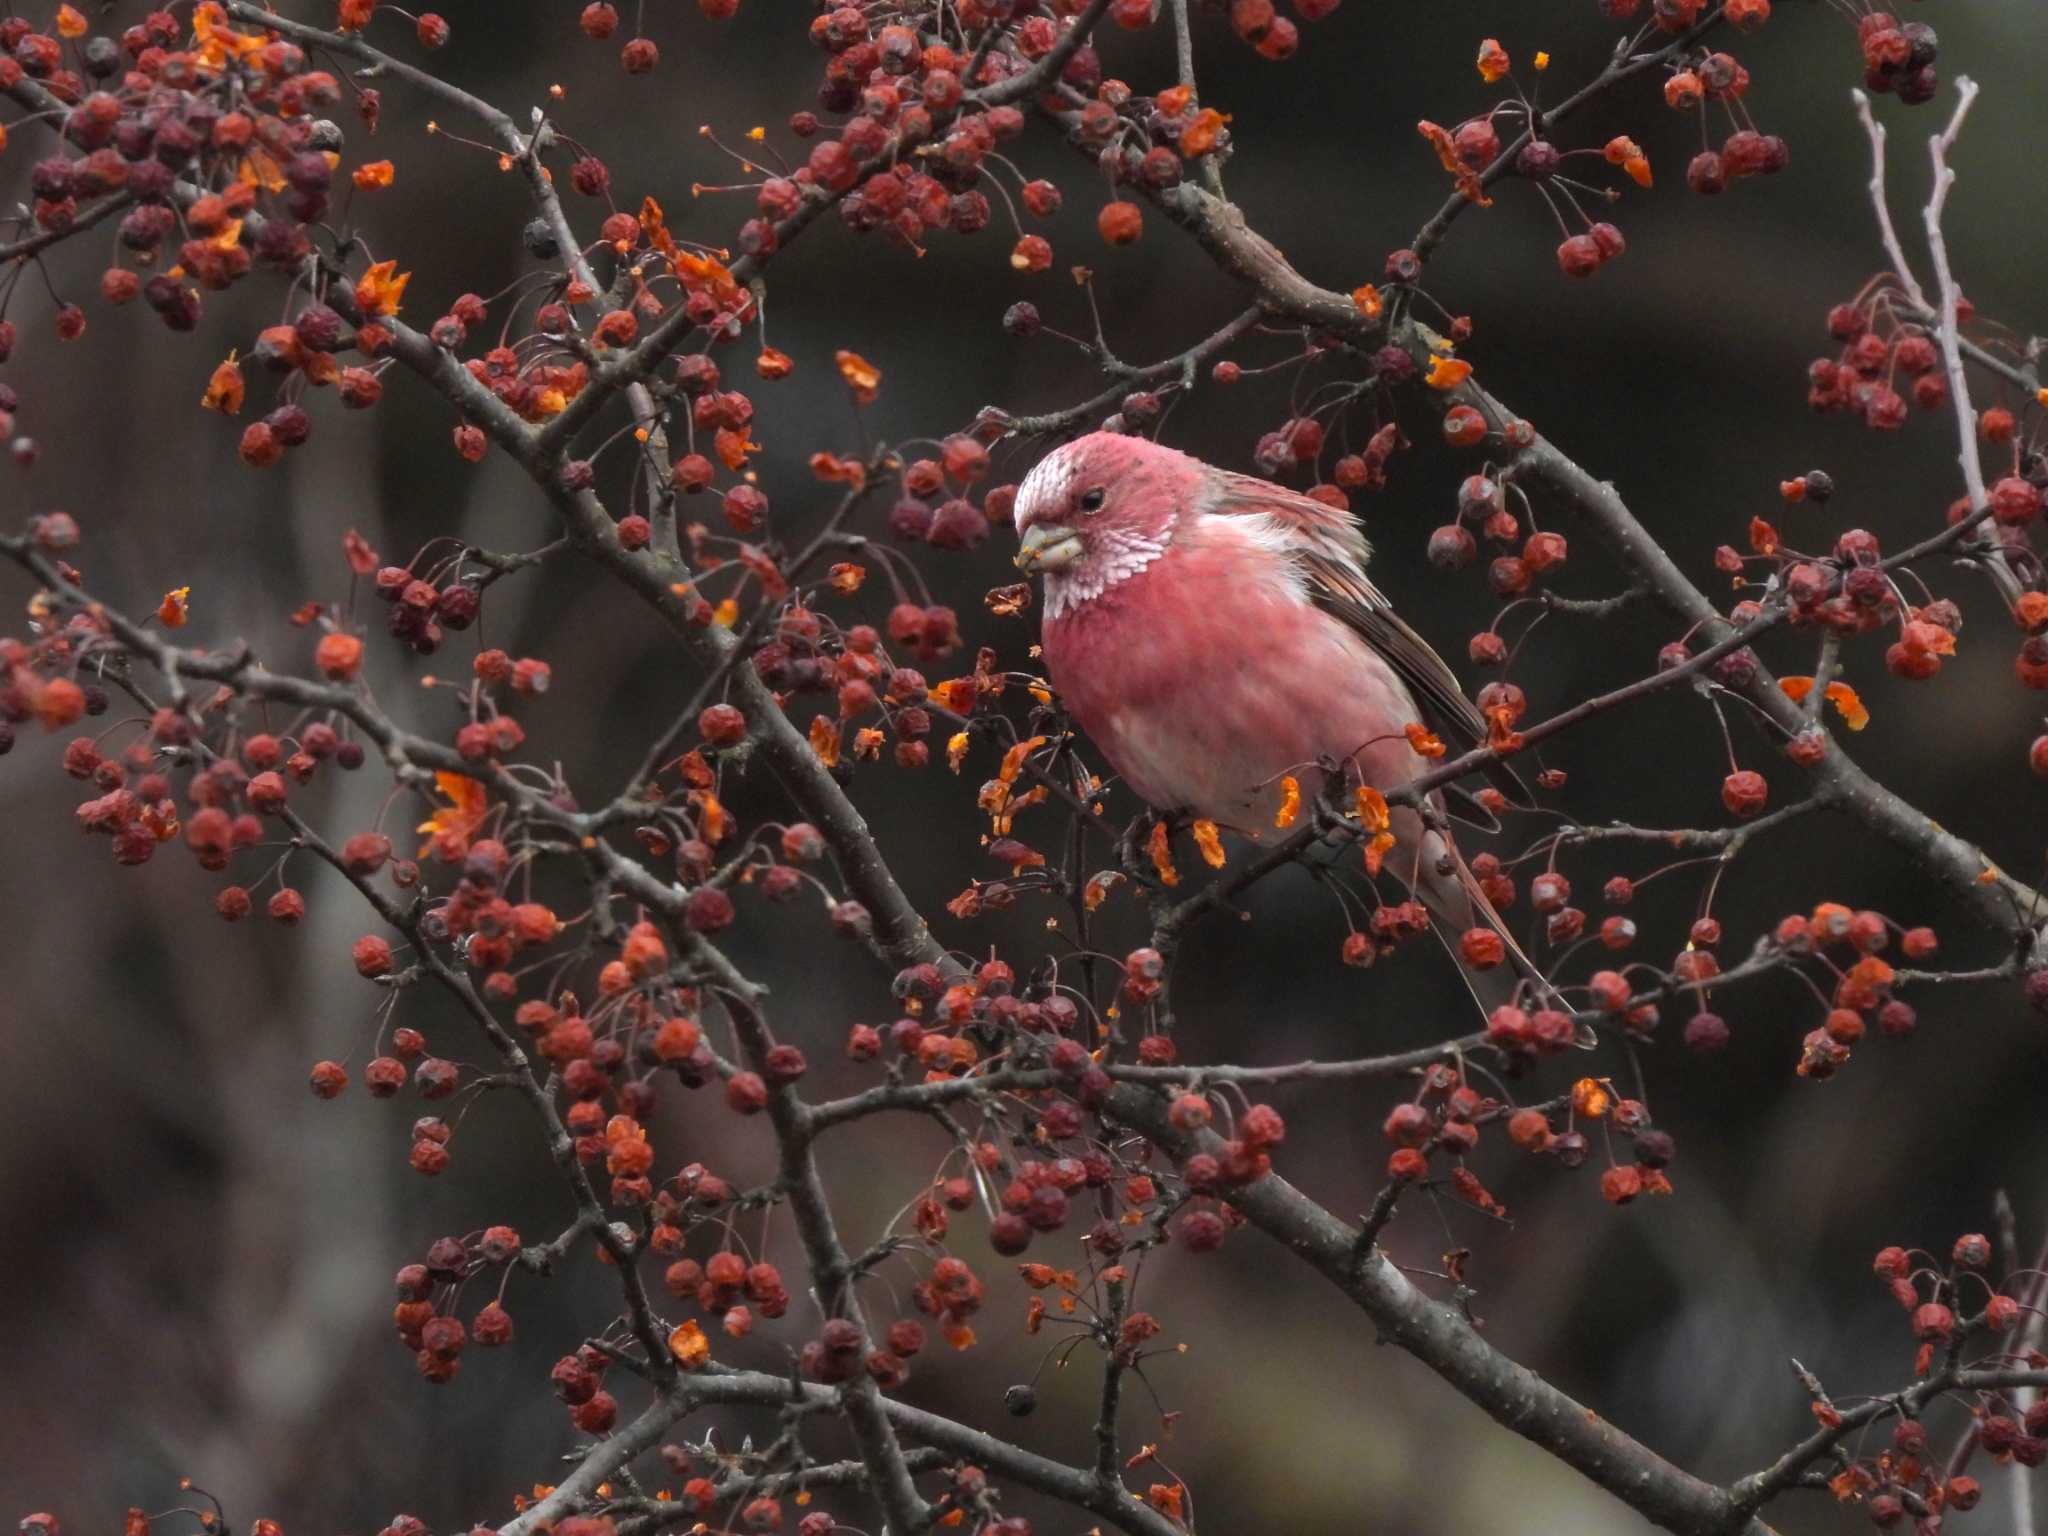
(1091,501)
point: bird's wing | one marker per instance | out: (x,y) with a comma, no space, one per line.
(1332,550)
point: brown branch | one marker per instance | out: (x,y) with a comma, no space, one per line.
(1441,1338)
(1181,366)
(1070,1485)
(604,1461)
(860,1400)
(924,1096)
(104,209)
(353,45)
(1210,167)
(1998,900)
(642,1517)
(1949,329)
(1753,1491)
(1691,839)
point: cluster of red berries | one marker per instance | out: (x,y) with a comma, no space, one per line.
(578,1381)
(1876,349)
(1849,590)
(1482,504)
(1863,994)
(1300,442)
(1474,146)
(1472,151)
(724,1285)
(1907,1478)
(1899,56)
(542,372)
(910,154)
(948,1028)
(1257,23)
(299,356)
(1851,593)
(1393,926)
(700,1496)
(1650,1150)
(813,654)
(637,55)
(1720,79)
(955,523)
(1243,1157)
(206,133)
(134,809)
(1550,894)
(1446,1115)
(236,780)
(428,1291)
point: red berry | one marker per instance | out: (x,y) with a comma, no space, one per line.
(1744,792)
(1119,223)
(746,1093)
(1706,1032)
(1580,256)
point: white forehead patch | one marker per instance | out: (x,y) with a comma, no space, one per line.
(1044,491)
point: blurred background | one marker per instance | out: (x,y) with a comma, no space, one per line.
(199,1253)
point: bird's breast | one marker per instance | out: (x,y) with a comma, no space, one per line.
(1204,680)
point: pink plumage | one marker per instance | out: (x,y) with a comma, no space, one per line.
(1214,633)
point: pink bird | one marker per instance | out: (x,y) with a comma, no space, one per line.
(1214,634)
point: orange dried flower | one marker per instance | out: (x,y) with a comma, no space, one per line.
(1290,802)
(825,739)
(1469,184)
(862,376)
(1199,137)
(1590,1098)
(1425,742)
(226,389)
(379,290)
(1447,372)
(1162,854)
(690,1347)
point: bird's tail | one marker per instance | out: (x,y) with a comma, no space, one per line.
(1448,888)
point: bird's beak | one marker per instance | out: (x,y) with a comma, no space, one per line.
(1046,548)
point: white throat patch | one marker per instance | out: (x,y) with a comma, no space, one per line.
(1115,556)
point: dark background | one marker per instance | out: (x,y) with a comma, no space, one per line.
(199,1253)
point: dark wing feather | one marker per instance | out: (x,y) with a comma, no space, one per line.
(1445,708)
(1333,551)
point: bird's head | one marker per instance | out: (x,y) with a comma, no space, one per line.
(1101,508)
